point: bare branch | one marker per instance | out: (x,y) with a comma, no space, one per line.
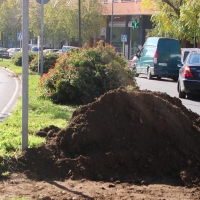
(176,10)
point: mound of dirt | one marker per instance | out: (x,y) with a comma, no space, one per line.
(123,135)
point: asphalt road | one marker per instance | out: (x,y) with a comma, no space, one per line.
(170,87)
(10,90)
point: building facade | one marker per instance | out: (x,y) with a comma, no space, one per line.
(119,30)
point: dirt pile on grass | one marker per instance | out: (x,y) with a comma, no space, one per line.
(123,135)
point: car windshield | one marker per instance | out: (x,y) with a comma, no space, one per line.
(194,59)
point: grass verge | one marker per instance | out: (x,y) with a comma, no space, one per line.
(41,113)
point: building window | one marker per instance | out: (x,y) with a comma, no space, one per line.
(105,1)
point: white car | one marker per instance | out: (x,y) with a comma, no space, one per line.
(68,48)
(186,51)
(13,51)
(47,51)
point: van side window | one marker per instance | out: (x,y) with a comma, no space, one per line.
(151,51)
(148,51)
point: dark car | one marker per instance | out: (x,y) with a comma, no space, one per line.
(189,75)
(4,53)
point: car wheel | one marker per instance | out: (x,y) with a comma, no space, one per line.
(158,77)
(175,79)
(136,75)
(149,76)
(180,93)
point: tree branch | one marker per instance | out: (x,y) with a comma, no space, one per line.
(176,10)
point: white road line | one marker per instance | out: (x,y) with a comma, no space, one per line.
(12,98)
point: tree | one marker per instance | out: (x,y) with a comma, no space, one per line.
(34,19)
(175,18)
(10,20)
(54,21)
(61,20)
(189,16)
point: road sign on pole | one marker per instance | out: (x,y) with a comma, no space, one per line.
(19,36)
(123,38)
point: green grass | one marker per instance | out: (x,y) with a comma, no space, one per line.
(41,113)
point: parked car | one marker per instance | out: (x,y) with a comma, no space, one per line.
(68,48)
(186,51)
(13,51)
(159,58)
(10,49)
(59,51)
(34,49)
(47,51)
(189,75)
(4,53)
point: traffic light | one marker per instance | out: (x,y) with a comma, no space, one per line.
(135,24)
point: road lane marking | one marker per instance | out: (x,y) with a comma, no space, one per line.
(3,112)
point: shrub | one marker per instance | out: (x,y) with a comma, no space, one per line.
(49,61)
(81,76)
(17,58)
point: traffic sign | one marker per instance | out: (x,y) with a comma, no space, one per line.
(44,1)
(19,36)
(123,38)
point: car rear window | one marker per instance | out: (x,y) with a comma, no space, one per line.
(194,59)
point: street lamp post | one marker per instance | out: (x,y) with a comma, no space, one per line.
(25,21)
(79,22)
(42,2)
(111,28)
(42,37)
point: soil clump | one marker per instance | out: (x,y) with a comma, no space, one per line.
(128,136)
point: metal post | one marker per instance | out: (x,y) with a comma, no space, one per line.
(42,37)
(123,48)
(25,21)
(111,29)
(79,22)
(38,45)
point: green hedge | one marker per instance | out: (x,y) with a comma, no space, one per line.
(17,58)
(81,76)
(49,61)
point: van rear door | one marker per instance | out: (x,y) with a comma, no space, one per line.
(175,57)
(168,57)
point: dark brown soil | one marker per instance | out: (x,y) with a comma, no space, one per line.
(138,137)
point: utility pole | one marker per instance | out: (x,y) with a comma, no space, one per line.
(42,2)
(42,38)
(111,28)
(79,23)
(25,22)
